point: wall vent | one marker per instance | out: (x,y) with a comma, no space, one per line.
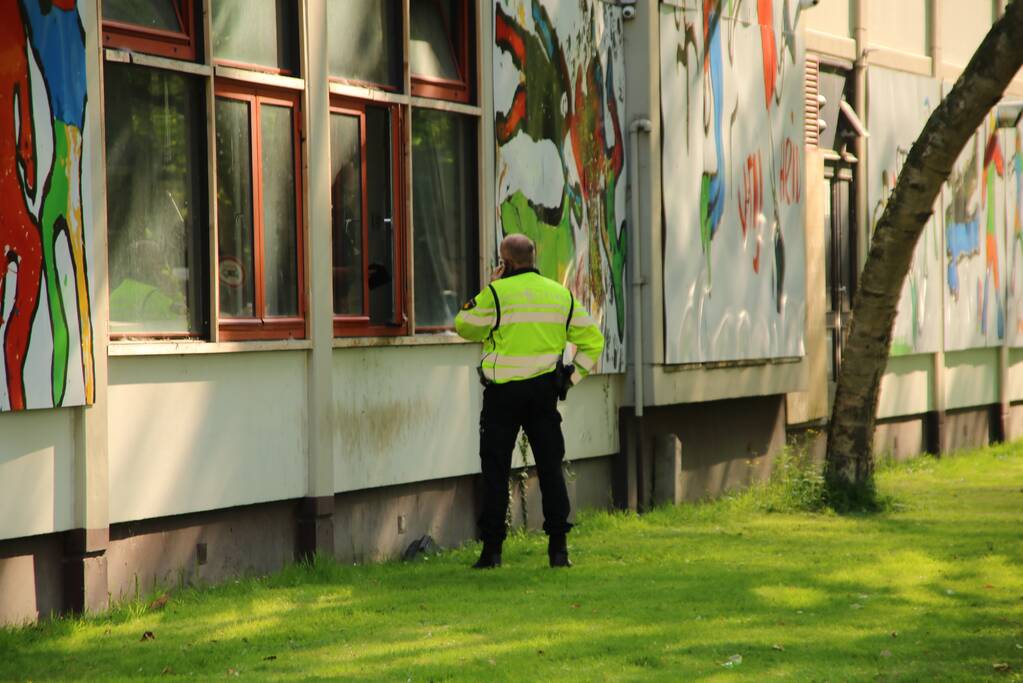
(811,94)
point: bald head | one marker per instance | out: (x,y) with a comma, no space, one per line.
(518,251)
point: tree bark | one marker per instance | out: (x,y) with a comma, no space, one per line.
(850,461)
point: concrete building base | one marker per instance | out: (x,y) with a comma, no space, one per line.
(73,571)
(901,439)
(721,446)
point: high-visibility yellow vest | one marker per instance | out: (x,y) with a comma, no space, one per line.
(524,330)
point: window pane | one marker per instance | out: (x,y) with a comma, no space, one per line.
(156,173)
(380,219)
(158,14)
(346,212)
(431,46)
(363,40)
(280,248)
(234,209)
(260,32)
(444,213)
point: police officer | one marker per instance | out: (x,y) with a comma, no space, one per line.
(524,320)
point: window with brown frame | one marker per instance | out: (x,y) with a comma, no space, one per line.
(445,212)
(365,48)
(157,235)
(366,219)
(259,35)
(259,213)
(439,56)
(160,27)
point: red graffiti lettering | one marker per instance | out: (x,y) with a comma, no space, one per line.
(789,175)
(750,198)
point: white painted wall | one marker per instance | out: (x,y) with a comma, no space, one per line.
(36,472)
(1014,376)
(834,17)
(971,378)
(407,414)
(199,432)
(964,23)
(906,386)
(900,25)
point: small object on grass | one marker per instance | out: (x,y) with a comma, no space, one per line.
(732,662)
(167,671)
(423,545)
(148,635)
(779,648)
(895,634)
(233,672)
(159,603)
(269,658)
(1002,667)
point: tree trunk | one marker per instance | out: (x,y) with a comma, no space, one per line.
(850,463)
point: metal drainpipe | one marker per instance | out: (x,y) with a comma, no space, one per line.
(637,126)
(860,105)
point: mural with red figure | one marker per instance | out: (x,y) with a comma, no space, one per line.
(732,178)
(45,323)
(561,151)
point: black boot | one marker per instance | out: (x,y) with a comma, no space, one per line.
(490,557)
(557,550)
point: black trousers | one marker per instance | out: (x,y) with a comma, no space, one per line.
(531,404)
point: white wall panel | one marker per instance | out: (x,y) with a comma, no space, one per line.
(906,387)
(971,378)
(833,17)
(964,23)
(36,461)
(412,414)
(1014,376)
(900,25)
(191,433)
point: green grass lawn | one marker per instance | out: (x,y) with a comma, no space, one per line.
(931,589)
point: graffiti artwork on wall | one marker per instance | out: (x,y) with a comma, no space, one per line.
(974,214)
(559,98)
(899,105)
(1014,237)
(45,323)
(733,176)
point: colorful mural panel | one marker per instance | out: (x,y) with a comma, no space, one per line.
(559,102)
(733,175)
(1013,142)
(973,206)
(899,105)
(45,321)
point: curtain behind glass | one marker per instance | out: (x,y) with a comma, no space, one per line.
(431,40)
(259,32)
(156,175)
(235,244)
(280,248)
(159,14)
(444,212)
(363,40)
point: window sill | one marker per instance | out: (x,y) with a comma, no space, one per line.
(439,339)
(187,347)
(195,347)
